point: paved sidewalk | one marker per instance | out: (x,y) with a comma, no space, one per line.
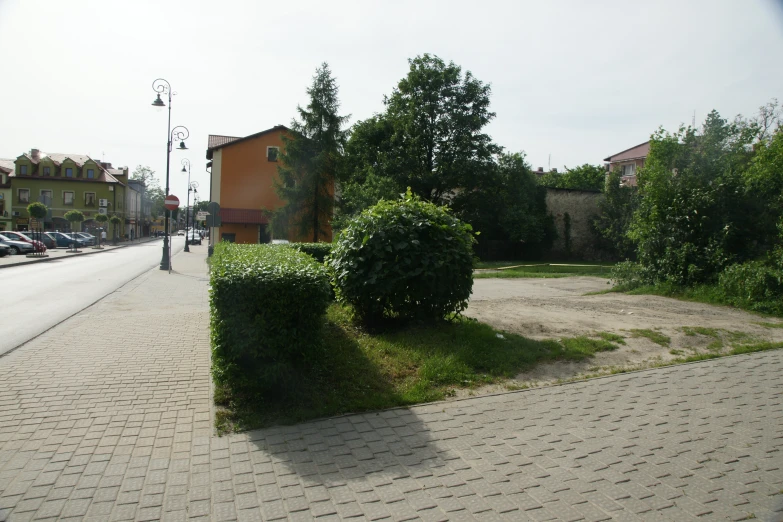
(117,426)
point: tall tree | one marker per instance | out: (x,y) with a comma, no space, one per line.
(430,136)
(310,160)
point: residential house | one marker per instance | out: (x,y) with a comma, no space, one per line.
(6,213)
(629,161)
(65,182)
(137,216)
(244,171)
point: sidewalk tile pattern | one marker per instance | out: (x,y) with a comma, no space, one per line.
(107,417)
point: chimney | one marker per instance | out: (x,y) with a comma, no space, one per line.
(554,171)
(541,169)
(105,165)
(35,154)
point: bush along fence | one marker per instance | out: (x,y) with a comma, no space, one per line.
(317,250)
(267,309)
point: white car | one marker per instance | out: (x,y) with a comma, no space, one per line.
(180,232)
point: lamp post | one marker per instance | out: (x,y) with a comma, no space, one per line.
(180,134)
(186,168)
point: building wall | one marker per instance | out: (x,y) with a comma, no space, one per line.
(214,190)
(246,176)
(244,233)
(58,186)
(6,196)
(580,206)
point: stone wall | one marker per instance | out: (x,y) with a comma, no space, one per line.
(579,207)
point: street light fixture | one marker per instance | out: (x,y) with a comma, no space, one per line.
(186,168)
(179,133)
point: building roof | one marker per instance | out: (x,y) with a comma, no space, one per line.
(7,165)
(224,141)
(243,215)
(215,140)
(104,175)
(636,152)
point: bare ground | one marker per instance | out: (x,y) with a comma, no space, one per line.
(558,308)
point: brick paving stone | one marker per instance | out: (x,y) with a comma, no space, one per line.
(119,427)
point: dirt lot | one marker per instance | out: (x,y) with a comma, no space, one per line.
(557,308)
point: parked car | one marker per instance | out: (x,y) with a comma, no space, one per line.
(48,240)
(92,240)
(4,250)
(17,247)
(18,236)
(194,237)
(67,240)
(180,232)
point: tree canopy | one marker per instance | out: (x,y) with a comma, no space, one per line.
(583,177)
(310,160)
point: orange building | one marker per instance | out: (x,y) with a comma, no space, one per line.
(244,171)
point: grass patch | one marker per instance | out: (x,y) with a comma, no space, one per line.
(719,336)
(770,325)
(545,270)
(611,337)
(656,337)
(708,294)
(359,371)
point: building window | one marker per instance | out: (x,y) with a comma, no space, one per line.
(24,195)
(89,198)
(2,207)
(23,170)
(90,173)
(68,173)
(271,153)
(629,170)
(46,197)
(67,198)
(47,171)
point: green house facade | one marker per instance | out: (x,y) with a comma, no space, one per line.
(65,182)
(6,213)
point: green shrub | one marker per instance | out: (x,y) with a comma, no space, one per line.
(403,259)
(628,275)
(753,285)
(317,250)
(267,307)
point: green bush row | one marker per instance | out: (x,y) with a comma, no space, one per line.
(318,250)
(267,306)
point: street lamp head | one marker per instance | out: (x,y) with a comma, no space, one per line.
(184,169)
(158,103)
(182,146)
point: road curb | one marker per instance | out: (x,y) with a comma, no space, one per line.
(48,259)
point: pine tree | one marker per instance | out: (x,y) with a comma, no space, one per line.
(310,160)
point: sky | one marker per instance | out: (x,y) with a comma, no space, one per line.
(572,81)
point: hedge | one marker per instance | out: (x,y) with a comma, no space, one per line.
(267,306)
(318,250)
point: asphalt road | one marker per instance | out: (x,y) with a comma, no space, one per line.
(40,295)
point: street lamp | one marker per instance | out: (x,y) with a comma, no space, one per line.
(179,133)
(186,168)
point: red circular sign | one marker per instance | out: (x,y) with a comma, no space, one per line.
(171,202)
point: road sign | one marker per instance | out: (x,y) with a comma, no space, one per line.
(171,202)
(201,215)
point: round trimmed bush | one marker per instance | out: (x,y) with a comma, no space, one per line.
(403,259)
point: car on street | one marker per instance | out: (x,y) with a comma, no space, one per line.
(180,232)
(194,237)
(91,240)
(48,240)
(4,250)
(19,236)
(67,239)
(16,247)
